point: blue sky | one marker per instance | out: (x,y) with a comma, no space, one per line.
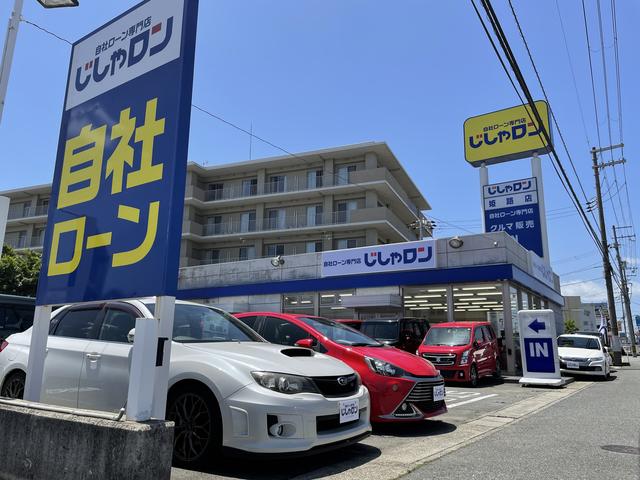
(318,74)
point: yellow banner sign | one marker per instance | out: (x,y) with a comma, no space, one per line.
(505,135)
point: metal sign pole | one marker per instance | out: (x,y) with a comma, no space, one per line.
(484,181)
(37,353)
(4,214)
(165,308)
(536,171)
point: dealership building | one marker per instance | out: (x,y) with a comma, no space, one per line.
(336,232)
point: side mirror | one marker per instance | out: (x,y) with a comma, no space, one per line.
(306,343)
(476,344)
(131,335)
(605,349)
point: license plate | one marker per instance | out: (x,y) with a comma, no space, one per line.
(438,393)
(349,410)
(574,365)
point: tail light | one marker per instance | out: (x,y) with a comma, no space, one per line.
(3,345)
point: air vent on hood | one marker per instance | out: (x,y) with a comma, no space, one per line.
(297,352)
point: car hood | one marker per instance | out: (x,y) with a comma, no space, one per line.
(408,362)
(579,352)
(260,356)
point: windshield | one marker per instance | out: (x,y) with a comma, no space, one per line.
(451,336)
(340,333)
(579,342)
(381,330)
(197,323)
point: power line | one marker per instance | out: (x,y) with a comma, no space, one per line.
(560,171)
(22,19)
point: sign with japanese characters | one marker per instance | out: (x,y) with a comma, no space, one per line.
(512,207)
(380,258)
(115,215)
(505,135)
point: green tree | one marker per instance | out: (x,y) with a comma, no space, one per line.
(19,271)
(570,326)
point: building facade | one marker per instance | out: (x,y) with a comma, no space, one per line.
(328,199)
(583,314)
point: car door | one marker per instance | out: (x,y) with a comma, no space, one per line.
(491,348)
(479,352)
(104,379)
(71,332)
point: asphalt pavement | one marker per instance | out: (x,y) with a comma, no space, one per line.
(593,434)
(394,450)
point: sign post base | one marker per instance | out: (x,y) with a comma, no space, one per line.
(545,382)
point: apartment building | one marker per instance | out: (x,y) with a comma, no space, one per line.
(328,199)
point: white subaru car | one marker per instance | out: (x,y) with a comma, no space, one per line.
(584,355)
(228,387)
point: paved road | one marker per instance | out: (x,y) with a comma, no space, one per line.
(564,441)
(394,449)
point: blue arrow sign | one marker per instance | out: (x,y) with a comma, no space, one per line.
(537,325)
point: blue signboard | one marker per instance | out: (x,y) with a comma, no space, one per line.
(115,215)
(539,355)
(512,207)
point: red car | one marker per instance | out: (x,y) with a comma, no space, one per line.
(402,386)
(462,351)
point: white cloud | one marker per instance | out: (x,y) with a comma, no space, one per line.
(590,291)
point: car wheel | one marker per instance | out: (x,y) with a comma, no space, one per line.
(498,372)
(473,376)
(198,425)
(14,385)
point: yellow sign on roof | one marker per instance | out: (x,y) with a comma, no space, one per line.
(505,135)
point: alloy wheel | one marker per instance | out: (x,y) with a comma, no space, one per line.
(14,386)
(193,426)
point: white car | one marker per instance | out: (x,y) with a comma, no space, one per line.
(584,355)
(228,386)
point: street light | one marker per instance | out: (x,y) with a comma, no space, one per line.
(10,41)
(58,3)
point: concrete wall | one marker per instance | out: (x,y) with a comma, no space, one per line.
(42,445)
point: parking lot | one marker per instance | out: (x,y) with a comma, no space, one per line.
(393,450)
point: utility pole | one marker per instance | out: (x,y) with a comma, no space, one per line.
(7,53)
(625,290)
(606,264)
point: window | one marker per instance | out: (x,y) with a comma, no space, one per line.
(249,187)
(275,219)
(213,256)
(247,253)
(314,179)
(250,321)
(314,215)
(15,318)
(343,177)
(343,210)
(275,249)
(78,324)
(248,221)
(277,184)
(450,336)
(488,334)
(214,225)
(116,326)
(282,332)
(303,303)
(314,247)
(477,335)
(214,191)
(346,243)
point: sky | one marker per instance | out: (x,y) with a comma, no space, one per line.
(315,74)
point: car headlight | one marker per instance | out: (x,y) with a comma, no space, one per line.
(383,368)
(595,359)
(464,358)
(283,383)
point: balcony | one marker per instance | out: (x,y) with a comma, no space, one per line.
(380,218)
(15,242)
(19,211)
